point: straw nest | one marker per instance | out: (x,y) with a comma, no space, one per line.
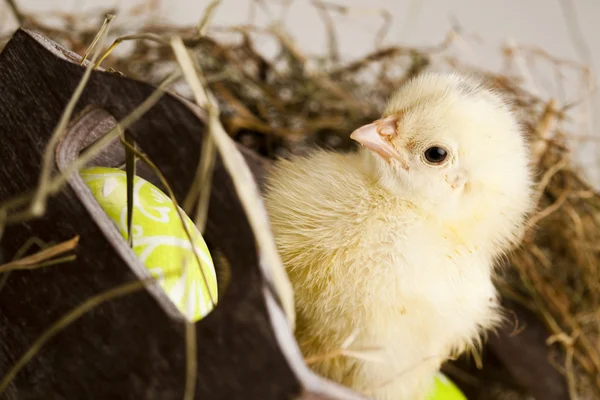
(288,103)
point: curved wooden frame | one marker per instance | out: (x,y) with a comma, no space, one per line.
(132,347)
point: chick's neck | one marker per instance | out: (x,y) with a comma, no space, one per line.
(469,222)
(380,174)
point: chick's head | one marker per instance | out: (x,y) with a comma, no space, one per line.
(453,148)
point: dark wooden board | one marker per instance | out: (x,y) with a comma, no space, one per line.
(130,348)
(521,346)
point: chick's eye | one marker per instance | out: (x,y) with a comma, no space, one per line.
(435,154)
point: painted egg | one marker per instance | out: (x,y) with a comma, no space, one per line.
(159,239)
(445,389)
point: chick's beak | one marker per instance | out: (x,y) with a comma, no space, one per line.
(375,136)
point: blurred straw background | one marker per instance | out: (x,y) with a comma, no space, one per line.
(564,29)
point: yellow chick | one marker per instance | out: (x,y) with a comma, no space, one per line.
(396,243)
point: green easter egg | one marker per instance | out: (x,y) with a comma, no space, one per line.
(159,239)
(445,389)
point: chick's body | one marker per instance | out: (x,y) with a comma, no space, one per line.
(406,268)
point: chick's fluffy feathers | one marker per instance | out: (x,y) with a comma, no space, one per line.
(365,258)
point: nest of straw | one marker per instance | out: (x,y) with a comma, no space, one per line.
(288,103)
